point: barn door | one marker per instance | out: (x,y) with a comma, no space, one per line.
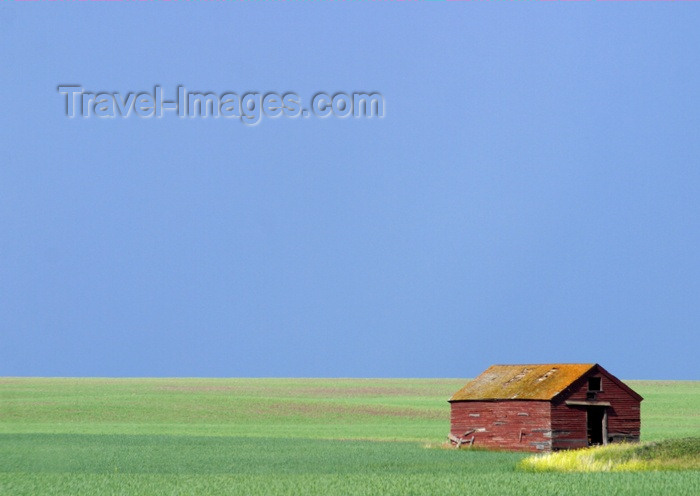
(597,424)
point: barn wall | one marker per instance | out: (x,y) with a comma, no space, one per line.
(569,422)
(507,425)
(569,430)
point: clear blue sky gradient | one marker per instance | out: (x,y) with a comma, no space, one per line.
(532,195)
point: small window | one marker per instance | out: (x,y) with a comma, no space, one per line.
(594,384)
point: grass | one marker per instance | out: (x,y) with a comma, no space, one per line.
(284,436)
(408,410)
(674,454)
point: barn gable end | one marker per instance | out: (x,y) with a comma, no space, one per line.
(571,409)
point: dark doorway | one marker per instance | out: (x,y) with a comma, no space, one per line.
(596,425)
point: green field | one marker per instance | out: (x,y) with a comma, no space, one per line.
(285,436)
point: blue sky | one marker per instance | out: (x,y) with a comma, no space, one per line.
(532,194)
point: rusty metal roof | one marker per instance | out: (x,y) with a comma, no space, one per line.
(522,382)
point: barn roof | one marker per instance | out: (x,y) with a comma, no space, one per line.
(522,382)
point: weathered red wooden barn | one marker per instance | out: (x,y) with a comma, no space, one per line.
(544,407)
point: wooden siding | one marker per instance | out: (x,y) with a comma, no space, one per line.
(508,425)
(569,422)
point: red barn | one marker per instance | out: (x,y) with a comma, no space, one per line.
(544,407)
